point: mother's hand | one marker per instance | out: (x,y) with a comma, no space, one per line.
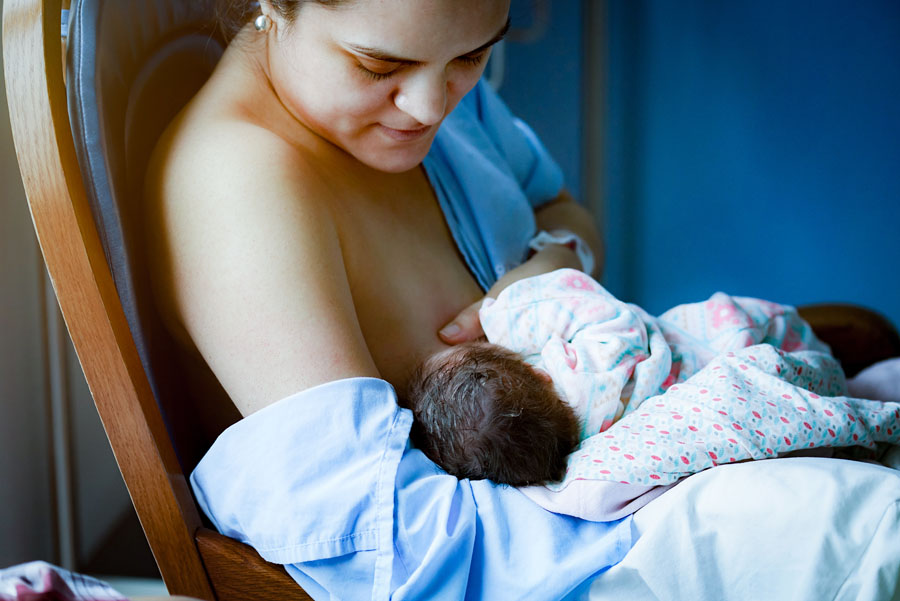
(466,326)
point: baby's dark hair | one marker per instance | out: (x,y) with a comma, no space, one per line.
(482,412)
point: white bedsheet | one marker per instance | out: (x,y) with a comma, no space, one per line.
(795,529)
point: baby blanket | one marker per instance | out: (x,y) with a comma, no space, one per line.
(723,381)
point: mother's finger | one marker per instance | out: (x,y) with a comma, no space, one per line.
(465,327)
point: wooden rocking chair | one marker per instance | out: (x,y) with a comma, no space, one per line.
(137,63)
(131,65)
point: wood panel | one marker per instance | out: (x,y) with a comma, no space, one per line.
(858,336)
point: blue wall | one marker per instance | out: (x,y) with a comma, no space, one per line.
(543,79)
(754,147)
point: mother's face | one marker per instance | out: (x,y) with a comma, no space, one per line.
(377,77)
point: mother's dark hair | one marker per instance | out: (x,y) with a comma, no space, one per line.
(232,15)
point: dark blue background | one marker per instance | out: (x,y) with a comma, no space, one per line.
(751,146)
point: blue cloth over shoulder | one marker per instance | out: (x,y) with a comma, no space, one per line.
(325,481)
(489,172)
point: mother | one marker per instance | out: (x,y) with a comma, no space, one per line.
(321,222)
(300,238)
(320,213)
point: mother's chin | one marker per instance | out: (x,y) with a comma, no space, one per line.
(393,150)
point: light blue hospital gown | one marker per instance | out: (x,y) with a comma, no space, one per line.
(325,481)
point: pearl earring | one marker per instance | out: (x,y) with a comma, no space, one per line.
(262,23)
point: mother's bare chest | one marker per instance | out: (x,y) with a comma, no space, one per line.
(405,272)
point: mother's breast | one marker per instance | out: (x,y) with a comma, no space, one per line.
(406,275)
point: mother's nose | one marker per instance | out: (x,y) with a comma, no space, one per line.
(424,98)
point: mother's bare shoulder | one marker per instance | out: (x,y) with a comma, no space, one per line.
(249,262)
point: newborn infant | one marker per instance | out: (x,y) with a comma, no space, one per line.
(482,412)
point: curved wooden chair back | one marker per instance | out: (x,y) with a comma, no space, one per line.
(192,559)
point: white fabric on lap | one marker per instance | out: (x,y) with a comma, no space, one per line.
(794,529)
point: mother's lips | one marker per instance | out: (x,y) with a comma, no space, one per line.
(404,134)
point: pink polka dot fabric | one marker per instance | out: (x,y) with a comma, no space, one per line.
(754,403)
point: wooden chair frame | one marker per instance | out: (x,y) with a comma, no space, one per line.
(193,560)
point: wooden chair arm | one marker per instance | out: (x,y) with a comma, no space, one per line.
(858,337)
(237,571)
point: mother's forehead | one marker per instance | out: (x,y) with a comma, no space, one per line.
(414,25)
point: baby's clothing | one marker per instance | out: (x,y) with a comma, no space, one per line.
(726,380)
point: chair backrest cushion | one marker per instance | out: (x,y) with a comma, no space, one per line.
(131,66)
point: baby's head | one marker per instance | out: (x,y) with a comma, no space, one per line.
(482,412)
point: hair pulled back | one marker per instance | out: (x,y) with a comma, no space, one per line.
(232,15)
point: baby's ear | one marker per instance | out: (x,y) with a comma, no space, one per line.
(543,374)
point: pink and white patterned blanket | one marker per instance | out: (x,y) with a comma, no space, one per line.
(726,380)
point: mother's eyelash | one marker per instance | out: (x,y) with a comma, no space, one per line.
(468,59)
(473,60)
(374,75)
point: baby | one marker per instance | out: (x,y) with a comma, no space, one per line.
(482,412)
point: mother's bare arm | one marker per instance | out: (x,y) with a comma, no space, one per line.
(564,213)
(255,272)
(560,213)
